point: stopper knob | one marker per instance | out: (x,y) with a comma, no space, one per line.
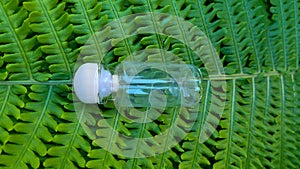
(86,83)
(91,86)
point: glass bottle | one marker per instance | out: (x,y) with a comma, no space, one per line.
(139,84)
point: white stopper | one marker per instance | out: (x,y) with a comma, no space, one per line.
(86,83)
(90,86)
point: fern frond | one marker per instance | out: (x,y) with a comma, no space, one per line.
(86,27)
(139,163)
(103,159)
(125,48)
(196,153)
(92,20)
(243,19)
(112,39)
(150,7)
(204,15)
(31,131)
(288,117)
(21,57)
(149,130)
(168,159)
(98,126)
(11,103)
(51,24)
(254,117)
(230,153)
(278,122)
(256,123)
(241,128)
(296,89)
(71,144)
(284,32)
(132,130)
(179,10)
(115,9)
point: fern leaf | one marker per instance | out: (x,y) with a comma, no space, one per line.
(241,128)
(31,131)
(20,54)
(51,23)
(168,159)
(288,116)
(127,46)
(284,31)
(85,27)
(255,126)
(108,119)
(196,154)
(150,7)
(10,109)
(181,13)
(203,14)
(70,138)
(241,20)
(279,118)
(115,45)
(276,127)
(240,149)
(102,159)
(296,111)
(230,152)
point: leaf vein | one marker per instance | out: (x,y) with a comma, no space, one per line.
(37,123)
(45,11)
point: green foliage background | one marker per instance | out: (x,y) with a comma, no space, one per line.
(258,42)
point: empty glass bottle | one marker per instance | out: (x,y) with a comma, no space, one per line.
(136,84)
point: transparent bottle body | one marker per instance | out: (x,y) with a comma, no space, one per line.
(156,85)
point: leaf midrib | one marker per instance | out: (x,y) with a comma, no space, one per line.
(159,41)
(33,82)
(89,24)
(140,138)
(182,33)
(45,11)
(296,13)
(283,35)
(249,139)
(208,34)
(124,37)
(111,137)
(231,127)
(75,133)
(208,78)
(19,42)
(252,36)
(37,124)
(5,101)
(234,38)
(200,125)
(282,122)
